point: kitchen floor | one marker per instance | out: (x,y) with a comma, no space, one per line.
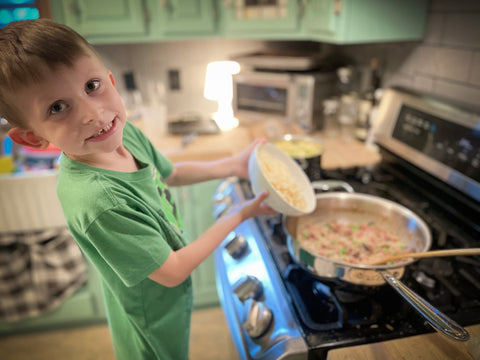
(209,340)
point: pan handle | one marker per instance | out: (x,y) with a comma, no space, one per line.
(329,185)
(437,319)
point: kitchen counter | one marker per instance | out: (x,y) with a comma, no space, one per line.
(337,152)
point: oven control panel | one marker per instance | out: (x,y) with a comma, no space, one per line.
(441,139)
(452,144)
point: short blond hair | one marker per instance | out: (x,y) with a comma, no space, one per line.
(27,47)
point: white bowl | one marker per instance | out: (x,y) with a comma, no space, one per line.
(275,200)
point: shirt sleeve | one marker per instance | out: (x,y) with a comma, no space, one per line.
(129,243)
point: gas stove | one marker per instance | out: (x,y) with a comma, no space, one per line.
(277,310)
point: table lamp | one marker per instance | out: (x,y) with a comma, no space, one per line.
(219,87)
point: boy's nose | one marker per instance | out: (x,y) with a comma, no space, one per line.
(91,111)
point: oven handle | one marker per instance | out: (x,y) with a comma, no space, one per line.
(441,322)
(330,185)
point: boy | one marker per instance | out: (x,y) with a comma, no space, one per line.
(113,185)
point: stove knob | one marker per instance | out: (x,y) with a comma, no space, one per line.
(237,246)
(259,319)
(222,205)
(248,287)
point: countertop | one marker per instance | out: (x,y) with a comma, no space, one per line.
(338,152)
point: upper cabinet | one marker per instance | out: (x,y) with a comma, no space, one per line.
(332,21)
(128,21)
(93,18)
(182,18)
(361,21)
(272,19)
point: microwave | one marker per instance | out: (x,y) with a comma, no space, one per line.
(291,97)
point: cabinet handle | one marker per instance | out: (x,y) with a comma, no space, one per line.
(301,7)
(74,8)
(337,7)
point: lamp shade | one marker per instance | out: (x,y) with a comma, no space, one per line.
(218,79)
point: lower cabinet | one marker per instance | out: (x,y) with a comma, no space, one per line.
(195,204)
(86,307)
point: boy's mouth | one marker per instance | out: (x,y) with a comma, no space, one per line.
(103,132)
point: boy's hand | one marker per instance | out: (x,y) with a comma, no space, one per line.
(241,159)
(253,207)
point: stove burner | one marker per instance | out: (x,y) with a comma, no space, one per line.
(315,305)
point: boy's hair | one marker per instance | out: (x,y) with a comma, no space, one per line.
(26,48)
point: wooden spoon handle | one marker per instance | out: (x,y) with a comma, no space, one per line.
(435,253)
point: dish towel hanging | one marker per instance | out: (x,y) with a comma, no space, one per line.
(38,271)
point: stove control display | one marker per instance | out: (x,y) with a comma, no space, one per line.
(259,319)
(237,246)
(452,144)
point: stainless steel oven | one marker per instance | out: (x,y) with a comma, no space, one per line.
(291,97)
(277,310)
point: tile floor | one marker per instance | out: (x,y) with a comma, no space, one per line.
(210,340)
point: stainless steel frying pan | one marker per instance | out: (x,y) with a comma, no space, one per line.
(349,207)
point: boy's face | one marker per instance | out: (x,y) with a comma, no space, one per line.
(77,109)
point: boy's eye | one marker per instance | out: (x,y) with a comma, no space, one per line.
(57,107)
(92,85)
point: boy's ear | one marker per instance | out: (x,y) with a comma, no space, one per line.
(112,79)
(27,138)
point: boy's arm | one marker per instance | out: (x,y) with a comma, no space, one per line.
(182,262)
(191,172)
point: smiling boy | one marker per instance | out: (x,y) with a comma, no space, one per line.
(113,185)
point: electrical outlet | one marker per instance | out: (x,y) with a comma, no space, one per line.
(174,79)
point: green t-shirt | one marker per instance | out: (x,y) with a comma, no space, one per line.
(126,224)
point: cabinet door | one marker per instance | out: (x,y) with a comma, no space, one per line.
(195,204)
(321,17)
(182,18)
(261,19)
(362,21)
(93,18)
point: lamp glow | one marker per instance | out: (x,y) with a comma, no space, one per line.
(219,87)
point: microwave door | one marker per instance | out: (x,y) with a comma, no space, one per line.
(263,96)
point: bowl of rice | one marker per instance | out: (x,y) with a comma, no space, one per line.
(290,190)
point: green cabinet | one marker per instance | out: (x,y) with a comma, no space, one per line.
(276,19)
(182,18)
(92,18)
(129,21)
(195,204)
(331,21)
(362,21)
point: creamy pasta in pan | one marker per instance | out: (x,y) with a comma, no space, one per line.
(353,243)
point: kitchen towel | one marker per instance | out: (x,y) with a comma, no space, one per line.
(38,271)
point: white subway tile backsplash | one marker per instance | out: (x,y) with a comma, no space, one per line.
(458,92)
(435,28)
(454,5)
(445,62)
(462,29)
(474,77)
(425,84)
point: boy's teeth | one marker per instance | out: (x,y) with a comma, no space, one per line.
(105,129)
